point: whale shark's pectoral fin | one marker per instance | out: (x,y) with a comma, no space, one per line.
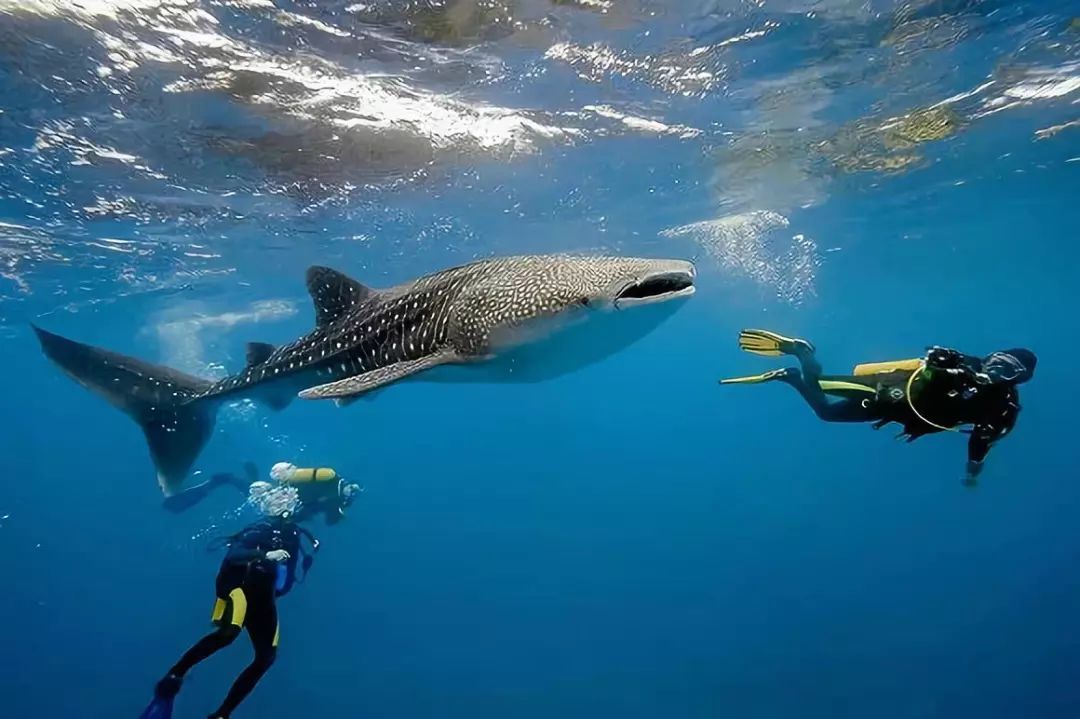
(359,384)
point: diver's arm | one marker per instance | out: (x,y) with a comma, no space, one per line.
(983,437)
(978,447)
(246,554)
(949,370)
(971,362)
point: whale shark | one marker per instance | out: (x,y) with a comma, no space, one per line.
(508,319)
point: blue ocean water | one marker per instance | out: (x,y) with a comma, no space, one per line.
(629,540)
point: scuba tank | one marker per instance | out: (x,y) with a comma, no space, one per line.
(291,474)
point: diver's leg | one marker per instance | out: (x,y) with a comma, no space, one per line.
(229,615)
(204,648)
(811,368)
(262,627)
(231,480)
(841,410)
(808,384)
(188,498)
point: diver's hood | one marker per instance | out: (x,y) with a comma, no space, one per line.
(1014,366)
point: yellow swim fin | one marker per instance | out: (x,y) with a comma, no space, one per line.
(771,344)
(909,365)
(769,376)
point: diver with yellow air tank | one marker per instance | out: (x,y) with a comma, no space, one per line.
(319,490)
(944,391)
(316,490)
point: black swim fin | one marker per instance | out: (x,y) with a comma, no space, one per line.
(160,708)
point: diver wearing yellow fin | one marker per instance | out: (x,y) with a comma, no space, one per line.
(943,391)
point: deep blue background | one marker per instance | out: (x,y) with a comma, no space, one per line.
(630,540)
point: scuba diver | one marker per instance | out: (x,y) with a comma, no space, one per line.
(940,392)
(263,562)
(185,499)
(320,490)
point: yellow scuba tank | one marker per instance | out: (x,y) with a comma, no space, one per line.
(303,475)
(868,368)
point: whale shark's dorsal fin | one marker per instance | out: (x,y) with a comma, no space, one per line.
(258,352)
(334,294)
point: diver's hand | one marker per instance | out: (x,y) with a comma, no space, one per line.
(943,358)
(278,555)
(971,479)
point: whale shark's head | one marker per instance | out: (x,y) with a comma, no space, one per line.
(526,287)
(555,313)
(626,283)
(605,283)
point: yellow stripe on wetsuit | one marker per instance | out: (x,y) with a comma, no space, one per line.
(868,368)
(829,385)
(237,606)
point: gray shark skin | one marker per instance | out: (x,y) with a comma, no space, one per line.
(519,319)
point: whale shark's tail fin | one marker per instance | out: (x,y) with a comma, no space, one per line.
(163,401)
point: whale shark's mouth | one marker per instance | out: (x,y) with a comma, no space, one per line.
(660,287)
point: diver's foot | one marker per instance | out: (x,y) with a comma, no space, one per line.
(169,686)
(771,344)
(788,375)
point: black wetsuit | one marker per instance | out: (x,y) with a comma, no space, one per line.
(324,497)
(247,588)
(966,392)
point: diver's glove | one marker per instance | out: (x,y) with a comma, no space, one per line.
(278,555)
